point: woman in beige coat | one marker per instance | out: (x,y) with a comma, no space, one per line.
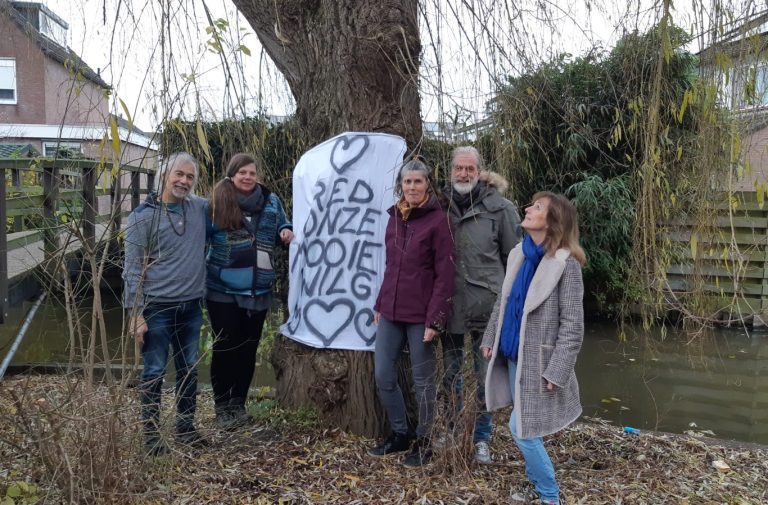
(534,336)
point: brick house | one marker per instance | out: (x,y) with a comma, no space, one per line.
(739,60)
(51,99)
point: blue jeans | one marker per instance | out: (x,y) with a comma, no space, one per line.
(538,466)
(176,325)
(453,380)
(391,337)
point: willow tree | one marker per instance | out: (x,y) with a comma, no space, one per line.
(351,66)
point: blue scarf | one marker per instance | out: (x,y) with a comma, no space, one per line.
(513,314)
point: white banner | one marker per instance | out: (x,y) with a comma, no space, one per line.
(341,192)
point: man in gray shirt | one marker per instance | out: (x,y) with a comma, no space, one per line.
(164,285)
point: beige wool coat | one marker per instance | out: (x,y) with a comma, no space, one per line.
(551,332)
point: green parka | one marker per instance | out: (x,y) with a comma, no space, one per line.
(484,236)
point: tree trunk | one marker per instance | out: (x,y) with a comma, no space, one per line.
(352,65)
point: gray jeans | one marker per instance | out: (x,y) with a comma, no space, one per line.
(391,338)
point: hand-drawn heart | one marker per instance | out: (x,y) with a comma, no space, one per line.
(328,320)
(352,149)
(360,328)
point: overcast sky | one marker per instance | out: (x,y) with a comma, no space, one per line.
(468,56)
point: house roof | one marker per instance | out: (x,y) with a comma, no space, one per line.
(53,50)
(752,24)
(18,151)
(123,123)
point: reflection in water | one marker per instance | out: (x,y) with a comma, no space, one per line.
(718,382)
(47,340)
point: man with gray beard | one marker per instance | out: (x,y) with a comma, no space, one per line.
(487,227)
(164,286)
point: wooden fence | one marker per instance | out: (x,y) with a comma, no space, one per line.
(39,194)
(724,261)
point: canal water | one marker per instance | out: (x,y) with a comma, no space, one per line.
(716,383)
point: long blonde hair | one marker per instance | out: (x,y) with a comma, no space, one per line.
(562,226)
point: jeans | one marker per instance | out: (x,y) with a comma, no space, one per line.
(391,338)
(538,466)
(453,381)
(176,325)
(237,333)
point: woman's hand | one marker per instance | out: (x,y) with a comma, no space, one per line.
(376,317)
(487,352)
(286,236)
(429,334)
(550,386)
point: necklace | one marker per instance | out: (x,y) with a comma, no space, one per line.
(182,224)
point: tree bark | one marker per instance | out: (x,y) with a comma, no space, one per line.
(352,65)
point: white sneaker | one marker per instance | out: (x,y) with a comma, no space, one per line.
(482,453)
(443,441)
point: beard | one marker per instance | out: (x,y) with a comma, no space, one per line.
(464,188)
(179,192)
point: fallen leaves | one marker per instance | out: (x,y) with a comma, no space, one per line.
(288,459)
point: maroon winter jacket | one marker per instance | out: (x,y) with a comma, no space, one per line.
(418,279)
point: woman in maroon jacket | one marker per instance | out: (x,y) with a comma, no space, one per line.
(413,305)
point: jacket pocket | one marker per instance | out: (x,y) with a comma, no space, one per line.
(236,279)
(263,260)
(480,292)
(545,355)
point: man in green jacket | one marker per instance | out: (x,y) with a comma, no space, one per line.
(487,227)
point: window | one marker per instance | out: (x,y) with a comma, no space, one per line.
(748,86)
(7,80)
(53,29)
(65,149)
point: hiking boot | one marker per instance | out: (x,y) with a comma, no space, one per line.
(395,442)
(482,453)
(224,417)
(154,447)
(240,417)
(191,439)
(421,453)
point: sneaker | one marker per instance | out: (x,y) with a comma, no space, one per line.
(421,453)
(482,453)
(395,442)
(525,494)
(191,439)
(443,441)
(528,494)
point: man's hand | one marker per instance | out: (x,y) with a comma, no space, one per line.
(138,327)
(376,317)
(487,352)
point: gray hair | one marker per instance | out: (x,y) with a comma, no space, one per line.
(468,150)
(175,159)
(416,164)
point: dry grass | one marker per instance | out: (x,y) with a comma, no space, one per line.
(287,458)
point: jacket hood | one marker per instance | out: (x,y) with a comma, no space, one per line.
(494,180)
